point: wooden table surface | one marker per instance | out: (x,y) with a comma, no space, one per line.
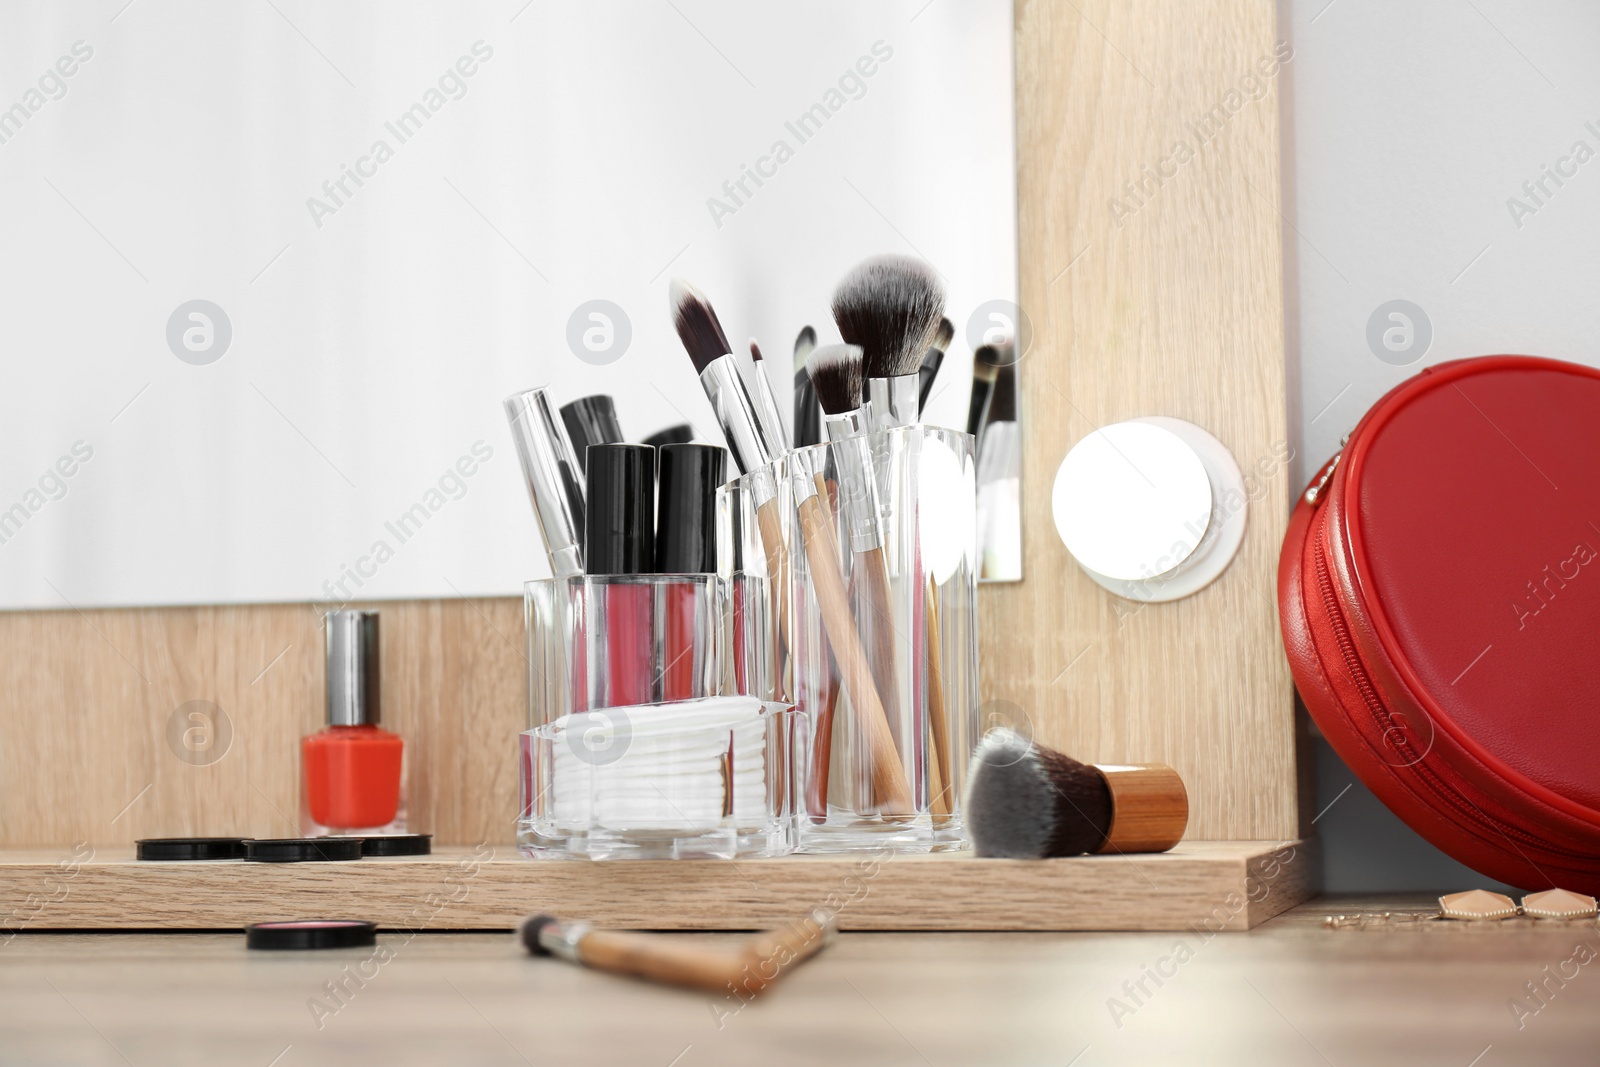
(1290,992)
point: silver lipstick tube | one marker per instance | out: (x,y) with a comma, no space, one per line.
(550,472)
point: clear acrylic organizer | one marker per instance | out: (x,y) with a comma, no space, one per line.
(883,636)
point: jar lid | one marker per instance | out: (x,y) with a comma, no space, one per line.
(191,848)
(311,933)
(397,845)
(302,849)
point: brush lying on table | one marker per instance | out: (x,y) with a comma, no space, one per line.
(1026,801)
(749,968)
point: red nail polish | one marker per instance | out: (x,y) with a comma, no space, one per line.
(353,767)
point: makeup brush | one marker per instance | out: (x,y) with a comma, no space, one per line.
(767,404)
(890,306)
(985,367)
(930,362)
(1026,801)
(889,784)
(746,969)
(836,375)
(702,337)
(807,420)
(998,482)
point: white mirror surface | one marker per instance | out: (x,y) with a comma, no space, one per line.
(396,215)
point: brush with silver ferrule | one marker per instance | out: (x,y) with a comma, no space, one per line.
(713,360)
(767,404)
(890,306)
(931,360)
(836,375)
(985,368)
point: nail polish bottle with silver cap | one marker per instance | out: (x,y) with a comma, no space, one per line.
(353,768)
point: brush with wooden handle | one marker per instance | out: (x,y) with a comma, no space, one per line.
(753,452)
(836,376)
(888,778)
(749,968)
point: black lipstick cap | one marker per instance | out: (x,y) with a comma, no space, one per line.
(619,530)
(591,420)
(680,434)
(686,535)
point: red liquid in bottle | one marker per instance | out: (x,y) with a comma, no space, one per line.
(629,671)
(678,681)
(352,776)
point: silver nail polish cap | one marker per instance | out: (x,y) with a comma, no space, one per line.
(354,696)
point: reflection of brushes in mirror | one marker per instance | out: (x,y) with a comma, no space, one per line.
(999,483)
(890,306)
(836,374)
(1026,801)
(702,337)
(807,416)
(767,404)
(931,361)
(985,368)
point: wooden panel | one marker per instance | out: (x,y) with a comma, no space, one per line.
(88,696)
(1173,308)
(1216,885)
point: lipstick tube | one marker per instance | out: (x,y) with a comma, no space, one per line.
(620,542)
(550,472)
(686,543)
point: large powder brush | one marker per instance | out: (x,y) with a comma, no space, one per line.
(1027,801)
(891,306)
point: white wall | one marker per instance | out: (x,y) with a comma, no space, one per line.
(1414,126)
(371,346)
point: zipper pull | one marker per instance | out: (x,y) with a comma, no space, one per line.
(1315,492)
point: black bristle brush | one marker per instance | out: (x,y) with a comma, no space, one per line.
(891,306)
(985,368)
(1027,801)
(931,361)
(702,337)
(807,417)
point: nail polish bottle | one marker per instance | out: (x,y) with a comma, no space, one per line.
(353,767)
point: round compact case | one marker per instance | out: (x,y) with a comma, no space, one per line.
(1439,591)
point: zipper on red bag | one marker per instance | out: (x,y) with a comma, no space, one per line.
(1381,717)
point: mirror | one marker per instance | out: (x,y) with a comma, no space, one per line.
(1152,509)
(271,271)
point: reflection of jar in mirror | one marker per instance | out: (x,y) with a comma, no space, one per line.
(353,767)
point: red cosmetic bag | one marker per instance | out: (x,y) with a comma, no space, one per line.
(1439,591)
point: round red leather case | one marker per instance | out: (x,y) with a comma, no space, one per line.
(1439,591)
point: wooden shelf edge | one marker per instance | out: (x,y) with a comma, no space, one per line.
(1199,886)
